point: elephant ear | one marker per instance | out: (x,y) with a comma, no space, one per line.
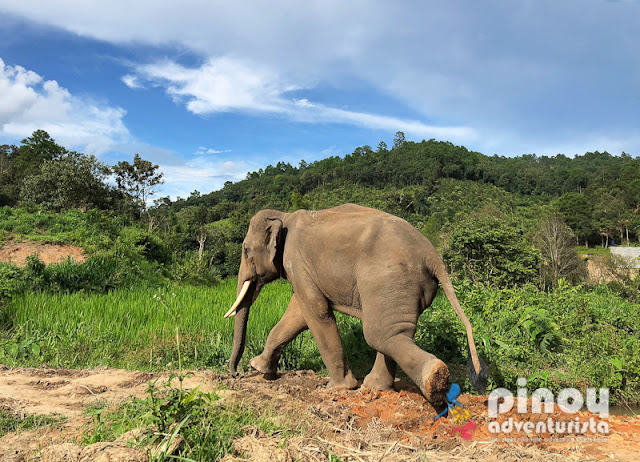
(274,229)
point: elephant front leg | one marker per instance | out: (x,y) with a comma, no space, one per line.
(289,327)
(382,374)
(323,327)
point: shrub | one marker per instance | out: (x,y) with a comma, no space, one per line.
(97,274)
(193,270)
(11,281)
(491,251)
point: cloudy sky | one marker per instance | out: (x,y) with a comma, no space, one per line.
(210,90)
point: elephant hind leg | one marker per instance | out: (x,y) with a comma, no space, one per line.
(390,332)
(382,374)
(289,327)
(428,372)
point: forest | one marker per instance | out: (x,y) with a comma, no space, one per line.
(438,187)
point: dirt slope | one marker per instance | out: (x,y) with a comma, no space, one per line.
(17,252)
(354,424)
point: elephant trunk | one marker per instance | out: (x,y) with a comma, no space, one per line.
(240,326)
(239,337)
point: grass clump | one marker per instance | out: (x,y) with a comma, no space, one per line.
(10,422)
(201,428)
(169,414)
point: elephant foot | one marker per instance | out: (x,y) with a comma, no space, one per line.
(378,383)
(262,365)
(435,382)
(349,382)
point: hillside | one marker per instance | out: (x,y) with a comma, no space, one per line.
(437,186)
(434,184)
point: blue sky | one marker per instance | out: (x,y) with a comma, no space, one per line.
(210,90)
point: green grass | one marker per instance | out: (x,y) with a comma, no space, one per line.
(582,337)
(10,422)
(597,251)
(95,229)
(133,328)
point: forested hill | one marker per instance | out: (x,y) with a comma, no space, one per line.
(434,184)
(447,192)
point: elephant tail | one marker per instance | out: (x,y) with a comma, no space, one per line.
(476,368)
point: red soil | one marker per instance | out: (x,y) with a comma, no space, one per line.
(17,252)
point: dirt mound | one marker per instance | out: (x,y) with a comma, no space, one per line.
(17,252)
(364,424)
(358,424)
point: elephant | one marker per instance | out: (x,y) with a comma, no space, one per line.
(354,260)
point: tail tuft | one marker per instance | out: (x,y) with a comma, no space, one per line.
(478,381)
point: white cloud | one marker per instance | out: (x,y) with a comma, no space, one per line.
(226,84)
(30,102)
(202,150)
(220,85)
(201,174)
(531,71)
(132,82)
(321,113)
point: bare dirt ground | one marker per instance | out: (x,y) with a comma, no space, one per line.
(359,425)
(17,252)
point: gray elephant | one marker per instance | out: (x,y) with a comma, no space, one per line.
(355,260)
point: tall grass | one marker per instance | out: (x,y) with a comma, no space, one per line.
(571,337)
(134,327)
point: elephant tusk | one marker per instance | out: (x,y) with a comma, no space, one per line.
(243,292)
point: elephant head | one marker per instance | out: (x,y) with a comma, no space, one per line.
(261,263)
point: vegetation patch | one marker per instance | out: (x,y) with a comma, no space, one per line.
(581,337)
(12,422)
(179,424)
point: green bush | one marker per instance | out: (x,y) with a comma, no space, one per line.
(11,281)
(491,251)
(96,274)
(193,270)
(582,338)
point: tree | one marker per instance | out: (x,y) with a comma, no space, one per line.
(5,163)
(194,219)
(398,140)
(491,251)
(36,149)
(297,201)
(608,214)
(8,188)
(556,243)
(23,161)
(73,181)
(576,212)
(138,179)
(382,148)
